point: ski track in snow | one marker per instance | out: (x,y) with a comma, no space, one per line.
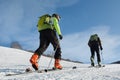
(16,61)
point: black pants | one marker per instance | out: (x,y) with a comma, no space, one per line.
(93,50)
(46,37)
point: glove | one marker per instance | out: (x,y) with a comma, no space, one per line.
(101,48)
(60,37)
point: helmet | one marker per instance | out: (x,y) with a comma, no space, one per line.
(56,15)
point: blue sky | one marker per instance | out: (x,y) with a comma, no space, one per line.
(79,19)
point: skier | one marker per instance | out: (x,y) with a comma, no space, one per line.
(48,35)
(95,43)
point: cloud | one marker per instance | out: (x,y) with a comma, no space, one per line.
(64,3)
(74,46)
(18,18)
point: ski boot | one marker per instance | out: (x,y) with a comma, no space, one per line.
(92,64)
(57,64)
(99,64)
(34,60)
(92,61)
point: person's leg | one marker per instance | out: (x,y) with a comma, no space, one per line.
(92,56)
(98,57)
(34,61)
(44,43)
(55,42)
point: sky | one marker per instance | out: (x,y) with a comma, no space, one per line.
(79,19)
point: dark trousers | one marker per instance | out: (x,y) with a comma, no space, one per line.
(93,50)
(46,37)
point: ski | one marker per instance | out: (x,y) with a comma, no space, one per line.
(99,66)
(96,66)
(28,71)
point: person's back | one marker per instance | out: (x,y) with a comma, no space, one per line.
(94,43)
(44,22)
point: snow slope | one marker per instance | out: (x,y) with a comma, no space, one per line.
(15,61)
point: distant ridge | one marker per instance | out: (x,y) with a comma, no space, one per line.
(117,62)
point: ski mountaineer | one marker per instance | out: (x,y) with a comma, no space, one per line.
(48,35)
(95,43)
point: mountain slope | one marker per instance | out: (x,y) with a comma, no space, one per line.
(14,61)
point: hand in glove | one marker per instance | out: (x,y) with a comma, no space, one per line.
(101,48)
(60,37)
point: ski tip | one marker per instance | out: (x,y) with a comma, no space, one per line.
(74,67)
(46,70)
(103,65)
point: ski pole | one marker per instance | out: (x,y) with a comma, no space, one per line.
(52,57)
(102,56)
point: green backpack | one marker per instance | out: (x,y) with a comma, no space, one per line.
(94,37)
(44,19)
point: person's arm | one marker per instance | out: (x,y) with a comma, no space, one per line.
(89,43)
(57,27)
(99,41)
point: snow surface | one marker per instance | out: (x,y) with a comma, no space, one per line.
(16,61)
